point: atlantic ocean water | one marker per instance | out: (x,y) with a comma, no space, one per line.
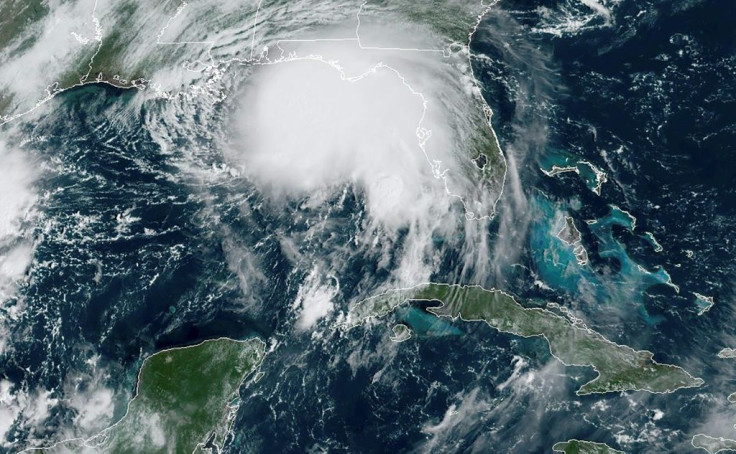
(140,248)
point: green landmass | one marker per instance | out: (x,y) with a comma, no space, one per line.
(6,100)
(486,152)
(448,18)
(713,444)
(16,16)
(619,368)
(584,447)
(183,398)
(107,63)
(455,21)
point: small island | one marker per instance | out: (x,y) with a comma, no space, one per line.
(570,235)
(619,368)
(400,332)
(727,353)
(713,444)
(559,162)
(584,447)
(649,236)
(184,400)
(703,302)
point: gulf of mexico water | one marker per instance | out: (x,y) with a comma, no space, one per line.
(140,247)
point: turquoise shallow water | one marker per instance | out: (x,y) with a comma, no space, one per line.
(648,99)
(425,324)
(558,266)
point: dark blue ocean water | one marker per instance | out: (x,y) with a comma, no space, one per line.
(649,100)
(133,256)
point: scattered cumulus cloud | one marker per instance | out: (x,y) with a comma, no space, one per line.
(314,300)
